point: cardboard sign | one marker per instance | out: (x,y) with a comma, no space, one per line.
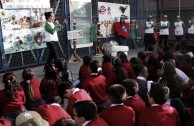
(75,34)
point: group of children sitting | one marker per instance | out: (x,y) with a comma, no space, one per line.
(147,90)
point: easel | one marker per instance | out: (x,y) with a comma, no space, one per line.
(98,50)
(74,57)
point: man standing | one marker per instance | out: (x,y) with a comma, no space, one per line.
(149,33)
(164,31)
(179,25)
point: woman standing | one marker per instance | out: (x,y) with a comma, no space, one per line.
(51,28)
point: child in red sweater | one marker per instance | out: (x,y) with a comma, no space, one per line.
(49,112)
(67,90)
(118,114)
(127,66)
(133,99)
(96,86)
(85,114)
(48,85)
(31,87)
(159,113)
(12,97)
(84,71)
(107,69)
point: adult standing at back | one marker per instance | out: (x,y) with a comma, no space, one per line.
(51,37)
(164,30)
(191,32)
(179,26)
(149,33)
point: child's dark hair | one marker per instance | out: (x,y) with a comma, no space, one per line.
(94,66)
(62,67)
(28,75)
(141,55)
(86,109)
(87,60)
(117,93)
(134,60)
(107,58)
(50,72)
(131,87)
(48,14)
(159,92)
(139,69)
(11,86)
(123,57)
(61,89)
(65,122)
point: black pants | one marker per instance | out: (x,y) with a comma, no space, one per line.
(148,40)
(163,38)
(179,37)
(53,53)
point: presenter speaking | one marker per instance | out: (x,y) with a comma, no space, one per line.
(51,37)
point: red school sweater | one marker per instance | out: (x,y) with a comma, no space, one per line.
(163,115)
(84,73)
(118,29)
(35,83)
(107,71)
(120,115)
(80,95)
(13,104)
(98,121)
(129,69)
(136,103)
(48,87)
(52,113)
(96,87)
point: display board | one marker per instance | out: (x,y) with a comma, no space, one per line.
(109,13)
(82,10)
(23,30)
(22,23)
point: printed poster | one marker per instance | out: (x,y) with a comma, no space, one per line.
(23,29)
(108,13)
(81,13)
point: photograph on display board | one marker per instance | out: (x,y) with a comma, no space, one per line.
(23,29)
(108,14)
(81,14)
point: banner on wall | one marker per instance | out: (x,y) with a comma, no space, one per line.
(11,4)
(108,13)
(23,29)
(82,10)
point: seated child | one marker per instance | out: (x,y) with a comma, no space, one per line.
(67,90)
(159,112)
(118,114)
(85,114)
(133,100)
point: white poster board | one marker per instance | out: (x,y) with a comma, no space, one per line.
(23,29)
(109,13)
(82,9)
